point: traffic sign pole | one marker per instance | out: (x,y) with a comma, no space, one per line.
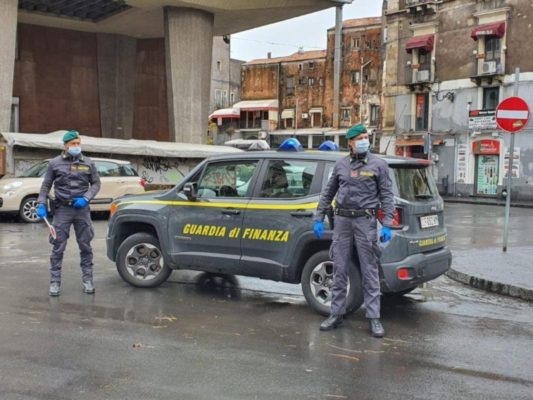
(510,172)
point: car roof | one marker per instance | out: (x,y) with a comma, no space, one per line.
(316,155)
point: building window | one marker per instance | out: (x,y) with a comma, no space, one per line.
(301,81)
(289,86)
(219,66)
(356,43)
(311,81)
(492,49)
(424,60)
(14,124)
(311,65)
(422,112)
(374,115)
(231,98)
(385,33)
(299,67)
(224,98)
(491,98)
(356,75)
(289,123)
(321,81)
(218,98)
(345,114)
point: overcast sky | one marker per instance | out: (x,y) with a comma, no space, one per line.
(309,31)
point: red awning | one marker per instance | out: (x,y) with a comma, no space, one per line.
(495,29)
(420,42)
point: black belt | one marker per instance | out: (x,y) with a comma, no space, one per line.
(67,203)
(344,212)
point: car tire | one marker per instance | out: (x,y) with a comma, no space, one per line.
(140,261)
(317,280)
(27,211)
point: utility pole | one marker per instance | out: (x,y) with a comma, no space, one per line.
(337,66)
(363,65)
(510,171)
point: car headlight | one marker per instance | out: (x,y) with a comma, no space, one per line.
(12,185)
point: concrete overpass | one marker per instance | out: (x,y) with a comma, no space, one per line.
(188,27)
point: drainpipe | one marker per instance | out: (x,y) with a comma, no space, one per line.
(337,66)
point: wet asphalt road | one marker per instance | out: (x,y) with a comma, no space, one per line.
(201,338)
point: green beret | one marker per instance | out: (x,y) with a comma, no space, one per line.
(355,131)
(70,135)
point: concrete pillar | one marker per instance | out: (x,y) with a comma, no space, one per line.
(8,40)
(116,84)
(189,46)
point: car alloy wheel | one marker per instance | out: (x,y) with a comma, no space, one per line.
(28,210)
(144,261)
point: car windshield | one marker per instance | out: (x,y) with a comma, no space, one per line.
(415,183)
(36,171)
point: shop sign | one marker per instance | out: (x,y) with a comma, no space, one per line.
(482,119)
(486,147)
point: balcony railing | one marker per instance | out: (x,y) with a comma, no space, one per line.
(418,75)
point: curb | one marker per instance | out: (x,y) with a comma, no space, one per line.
(485,202)
(491,286)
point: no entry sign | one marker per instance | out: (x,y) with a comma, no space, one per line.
(512,114)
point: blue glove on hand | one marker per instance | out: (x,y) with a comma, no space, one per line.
(80,202)
(385,234)
(318,228)
(41,211)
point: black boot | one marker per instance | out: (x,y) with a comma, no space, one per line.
(376,328)
(55,289)
(331,323)
(88,287)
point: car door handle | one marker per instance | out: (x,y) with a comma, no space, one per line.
(231,211)
(302,214)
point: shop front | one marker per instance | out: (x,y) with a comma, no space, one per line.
(487,166)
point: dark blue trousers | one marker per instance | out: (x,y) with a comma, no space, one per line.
(64,217)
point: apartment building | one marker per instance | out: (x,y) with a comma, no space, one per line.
(293,96)
(447,65)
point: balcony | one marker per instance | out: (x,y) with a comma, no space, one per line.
(418,77)
(422,7)
(487,71)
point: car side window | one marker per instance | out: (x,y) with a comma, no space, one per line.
(106,168)
(328,171)
(288,178)
(226,179)
(127,170)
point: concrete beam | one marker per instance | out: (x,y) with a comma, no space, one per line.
(8,40)
(116,84)
(189,47)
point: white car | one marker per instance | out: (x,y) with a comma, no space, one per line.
(19,195)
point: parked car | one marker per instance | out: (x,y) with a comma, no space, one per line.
(228,216)
(19,195)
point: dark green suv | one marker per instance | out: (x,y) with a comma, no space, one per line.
(252,214)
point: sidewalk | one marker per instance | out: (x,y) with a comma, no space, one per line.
(487,201)
(509,274)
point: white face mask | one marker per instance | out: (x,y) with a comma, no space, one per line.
(74,150)
(361,146)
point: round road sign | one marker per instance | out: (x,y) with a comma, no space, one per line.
(512,114)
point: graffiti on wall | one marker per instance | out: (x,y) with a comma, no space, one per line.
(161,170)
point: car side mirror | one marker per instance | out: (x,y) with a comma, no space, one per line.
(190,189)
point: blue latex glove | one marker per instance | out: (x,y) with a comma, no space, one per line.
(318,228)
(41,211)
(386,234)
(80,202)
